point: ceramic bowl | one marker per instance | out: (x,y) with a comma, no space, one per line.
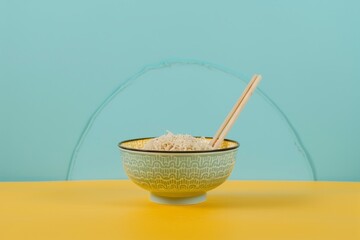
(177,177)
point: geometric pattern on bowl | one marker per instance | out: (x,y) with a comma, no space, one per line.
(179,174)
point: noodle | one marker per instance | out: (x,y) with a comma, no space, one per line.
(177,142)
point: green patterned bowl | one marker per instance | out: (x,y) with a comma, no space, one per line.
(177,177)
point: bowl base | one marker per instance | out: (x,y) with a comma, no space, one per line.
(177,200)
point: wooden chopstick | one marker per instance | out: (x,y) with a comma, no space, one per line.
(235,112)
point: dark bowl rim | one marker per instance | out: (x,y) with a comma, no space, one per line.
(161,151)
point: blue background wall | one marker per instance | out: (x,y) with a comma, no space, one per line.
(59,60)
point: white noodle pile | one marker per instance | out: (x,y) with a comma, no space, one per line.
(177,142)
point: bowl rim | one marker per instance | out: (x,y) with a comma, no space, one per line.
(186,152)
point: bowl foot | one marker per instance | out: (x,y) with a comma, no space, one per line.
(177,200)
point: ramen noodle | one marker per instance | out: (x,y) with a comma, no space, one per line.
(177,142)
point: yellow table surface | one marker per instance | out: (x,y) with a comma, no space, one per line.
(235,210)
